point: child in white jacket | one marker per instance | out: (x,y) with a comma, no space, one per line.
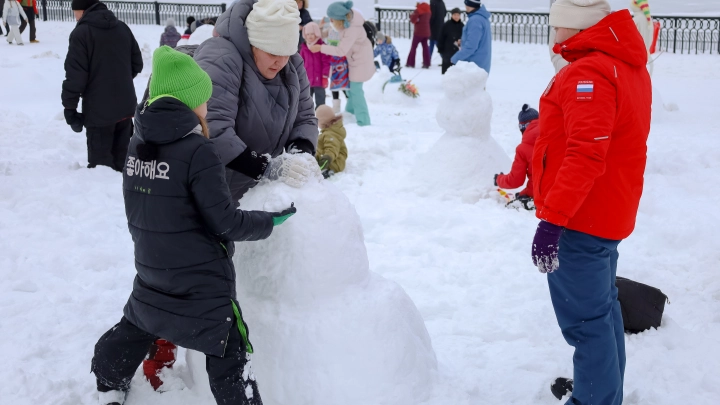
(12,12)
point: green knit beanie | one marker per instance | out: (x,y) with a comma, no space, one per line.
(177,75)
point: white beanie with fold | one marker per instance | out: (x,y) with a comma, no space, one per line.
(578,14)
(272,26)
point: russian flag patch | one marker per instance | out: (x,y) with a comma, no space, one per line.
(585,90)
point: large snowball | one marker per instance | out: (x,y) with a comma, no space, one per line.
(326,330)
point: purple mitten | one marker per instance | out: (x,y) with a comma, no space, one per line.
(545,246)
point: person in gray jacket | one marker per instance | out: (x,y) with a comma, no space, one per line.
(261,114)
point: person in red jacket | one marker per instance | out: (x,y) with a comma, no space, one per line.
(588,165)
(30,7)
(522,165)
(421,19)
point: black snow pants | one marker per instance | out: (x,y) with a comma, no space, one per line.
(121,350)
(30,12)
(446,63)
(108,146)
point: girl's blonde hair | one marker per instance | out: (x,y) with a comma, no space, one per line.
(204,125)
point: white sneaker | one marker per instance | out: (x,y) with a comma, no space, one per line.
(336,106)
(111,398)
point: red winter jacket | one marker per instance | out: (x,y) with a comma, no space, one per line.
(522,165)
(589,159)
(421,18)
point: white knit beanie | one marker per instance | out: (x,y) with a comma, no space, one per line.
(272,26)
(578,14)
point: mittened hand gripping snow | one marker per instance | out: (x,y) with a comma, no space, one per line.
(280,217)
(75,119)
(293,169)
(545,246)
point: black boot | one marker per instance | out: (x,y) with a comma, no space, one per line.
(561,387)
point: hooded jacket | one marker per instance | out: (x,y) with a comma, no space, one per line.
(522,165)
(183,221)
(246,110)
(102,60)
(421,19)
(437,18)
(317,65)
(476,43)
(589,159)
(355,45)
(170,37)
(332,143)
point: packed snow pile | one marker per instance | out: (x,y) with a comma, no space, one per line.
(381,89)
(326,330)
(463,161)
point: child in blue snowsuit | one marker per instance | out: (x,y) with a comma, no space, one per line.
(387,51)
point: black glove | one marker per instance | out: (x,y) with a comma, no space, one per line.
(324,162)
(75,119)
(251,164)
(301,146)
(495,179)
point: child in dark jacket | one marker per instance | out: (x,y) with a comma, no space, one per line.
(183,222)
(170,37)
(522,166)
(331,150)
(387,51)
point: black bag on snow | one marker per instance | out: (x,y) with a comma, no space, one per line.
(642,305)
(371,30)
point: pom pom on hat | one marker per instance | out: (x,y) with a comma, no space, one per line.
(177,75)
(272,26)
(578,14)
(527,114)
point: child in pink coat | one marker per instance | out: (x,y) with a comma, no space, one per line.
(316,64)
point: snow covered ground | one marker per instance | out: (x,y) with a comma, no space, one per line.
(66,260)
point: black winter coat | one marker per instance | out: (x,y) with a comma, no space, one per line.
(450,34)
(102,60)
(438,11)
(183,221)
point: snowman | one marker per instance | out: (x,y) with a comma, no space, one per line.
(326,330)
(463,161)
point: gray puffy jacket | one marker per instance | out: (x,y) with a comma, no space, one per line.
(246,110)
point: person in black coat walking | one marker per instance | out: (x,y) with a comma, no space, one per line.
(449,40)
(103,59)
(437,19)
(183,222)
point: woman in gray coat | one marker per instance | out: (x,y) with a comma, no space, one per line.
(261,114)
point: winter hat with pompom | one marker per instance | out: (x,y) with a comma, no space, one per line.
(578,14)
(177,75)
(526,116)
(339,10)
(272,26)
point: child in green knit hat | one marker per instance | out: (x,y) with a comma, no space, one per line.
(183,222)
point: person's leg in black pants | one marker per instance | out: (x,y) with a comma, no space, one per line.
(446,64)
(30,12)
(118,354)
(228,382)
(121,140)
(100,144)
(319,94)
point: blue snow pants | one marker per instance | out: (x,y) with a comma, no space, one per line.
(584,296)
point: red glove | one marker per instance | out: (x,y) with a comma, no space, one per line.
(325,82)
